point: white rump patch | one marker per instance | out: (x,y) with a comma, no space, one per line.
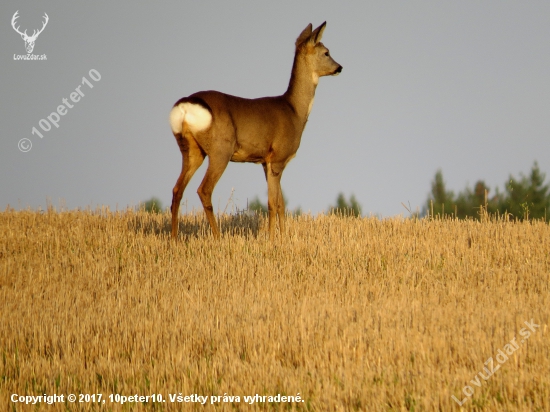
(195,116)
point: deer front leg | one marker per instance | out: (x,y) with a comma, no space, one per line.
(275,203)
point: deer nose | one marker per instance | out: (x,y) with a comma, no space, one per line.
(338,70)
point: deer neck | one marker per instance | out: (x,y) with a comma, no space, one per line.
(302,85)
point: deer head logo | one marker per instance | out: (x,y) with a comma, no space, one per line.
(29,40)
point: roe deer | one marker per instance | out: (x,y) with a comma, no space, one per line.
(266,130)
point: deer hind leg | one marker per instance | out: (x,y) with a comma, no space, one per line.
(193,156)
(217,162)
(281,210)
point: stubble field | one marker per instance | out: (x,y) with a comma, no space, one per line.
(342,314)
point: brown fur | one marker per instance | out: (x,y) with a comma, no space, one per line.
(266,130)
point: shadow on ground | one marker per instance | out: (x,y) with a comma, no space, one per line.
(196,225)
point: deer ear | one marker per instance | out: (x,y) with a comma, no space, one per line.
(304,35)
(318,33)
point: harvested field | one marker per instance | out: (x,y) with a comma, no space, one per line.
(346,313)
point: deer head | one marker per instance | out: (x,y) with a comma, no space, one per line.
(29,40)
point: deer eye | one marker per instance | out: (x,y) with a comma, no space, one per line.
(327,54)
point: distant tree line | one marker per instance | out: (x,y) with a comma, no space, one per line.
(526,197)
(342,207)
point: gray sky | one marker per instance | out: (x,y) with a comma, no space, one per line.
(462,86)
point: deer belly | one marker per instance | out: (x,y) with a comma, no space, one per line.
(244,156)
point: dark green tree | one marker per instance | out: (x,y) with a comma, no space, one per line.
(440,201)
(261,208)
(345,208)
(473,203)
(152,205)
(257,206)
(527,197)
